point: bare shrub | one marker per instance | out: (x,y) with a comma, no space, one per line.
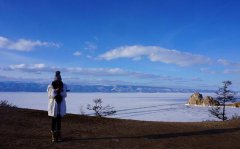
(100,110)
(235,117)
(82,112)
(5,103)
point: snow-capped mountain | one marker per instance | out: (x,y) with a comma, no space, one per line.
(38,87)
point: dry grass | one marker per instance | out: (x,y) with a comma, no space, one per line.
(22,128)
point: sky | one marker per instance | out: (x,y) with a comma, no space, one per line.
(165,43)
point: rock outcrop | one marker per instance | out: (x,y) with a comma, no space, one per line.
(210,101)
(236,104)
(197,99)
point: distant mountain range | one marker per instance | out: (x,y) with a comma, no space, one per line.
(38,87)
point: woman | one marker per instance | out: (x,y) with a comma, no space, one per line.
(57,92)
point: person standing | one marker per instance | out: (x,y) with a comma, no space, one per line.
(57,92)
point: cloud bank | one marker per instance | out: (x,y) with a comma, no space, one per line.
(23,44)
(156,54)
(228,63)
(96,72)
(77,53)
(116,76)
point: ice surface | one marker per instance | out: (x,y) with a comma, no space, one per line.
(138,106)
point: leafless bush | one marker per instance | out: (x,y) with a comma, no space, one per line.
(100,110)
(5,103)
(82,112)
(235,117)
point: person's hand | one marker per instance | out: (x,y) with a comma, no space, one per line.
(57,90)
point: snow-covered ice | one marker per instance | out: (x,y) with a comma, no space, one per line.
(138,106)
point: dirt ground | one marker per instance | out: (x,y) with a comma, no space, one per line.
(24,128)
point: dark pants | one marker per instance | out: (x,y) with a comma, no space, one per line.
(56,123)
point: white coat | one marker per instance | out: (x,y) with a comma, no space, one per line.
(52,104)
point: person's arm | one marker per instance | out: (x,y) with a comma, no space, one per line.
(51,92)
(64,92)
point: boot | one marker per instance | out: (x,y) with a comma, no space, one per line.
(54,136)
(59,136)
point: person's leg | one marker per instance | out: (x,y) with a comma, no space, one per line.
(58,122)
(54,124)
(53,129)
(59,135)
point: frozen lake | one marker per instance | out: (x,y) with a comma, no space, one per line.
(137,106)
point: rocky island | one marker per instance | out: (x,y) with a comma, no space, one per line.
(198,99)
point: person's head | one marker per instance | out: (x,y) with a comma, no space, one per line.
(58,76)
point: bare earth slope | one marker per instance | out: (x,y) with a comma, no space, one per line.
(23,128)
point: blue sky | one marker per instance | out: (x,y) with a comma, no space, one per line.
(170,43)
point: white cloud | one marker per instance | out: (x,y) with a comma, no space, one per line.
(208,71)
(95,72)
(230,67)
(3,42)
(28,68)
(231,71)
(223,62)
(39,66)
(90,46)
(23,44)
(77,53)
(90,57)
(37,72)
(196,79)
(137,58)
(18,66)
(75,70)
(228,63)
(156,54)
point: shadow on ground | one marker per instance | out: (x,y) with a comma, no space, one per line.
(162,136)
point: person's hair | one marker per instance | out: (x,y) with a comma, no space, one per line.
(58,75)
